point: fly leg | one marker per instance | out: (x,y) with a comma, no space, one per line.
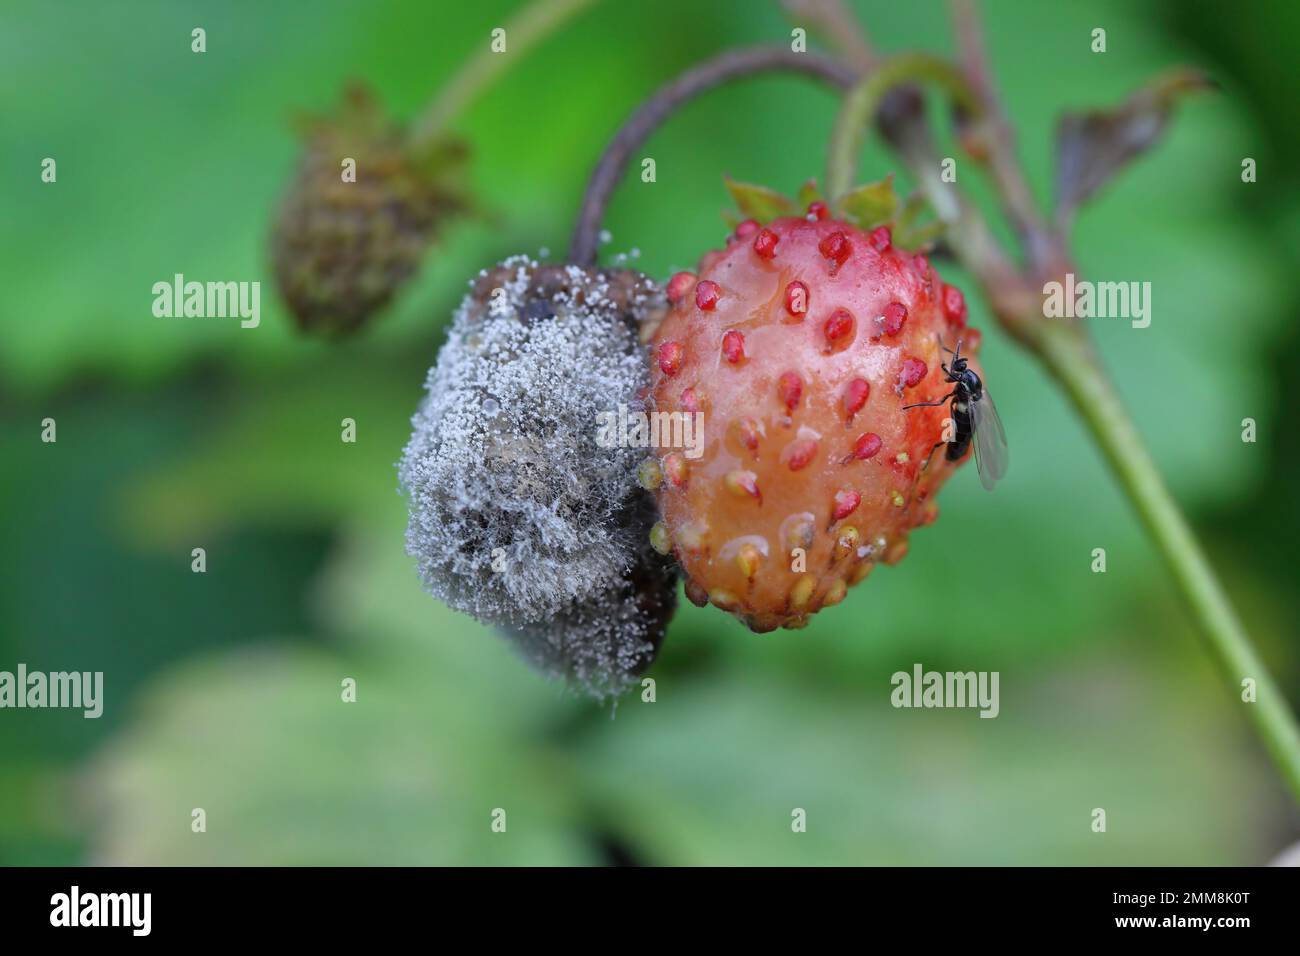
(931,404)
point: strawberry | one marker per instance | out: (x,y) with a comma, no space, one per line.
(520,514)
(800,342)
(342,250)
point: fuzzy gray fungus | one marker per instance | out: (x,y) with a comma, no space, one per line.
(518,516)
(602,645)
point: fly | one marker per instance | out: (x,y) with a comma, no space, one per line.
(975,418)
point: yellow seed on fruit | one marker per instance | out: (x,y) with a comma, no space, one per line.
(722,598)
(898,500)
(902,458)
(660,539)
(691,537)
(802,591)
(836,593)
(801,533)
(743,484)
(847,542)
(649,475)
(748,558)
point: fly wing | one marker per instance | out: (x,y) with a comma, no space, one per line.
(991,455)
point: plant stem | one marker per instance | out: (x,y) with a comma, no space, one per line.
(997,137)
(1063,349)
(528,27)
(667,100)
(1070,358)
(859,110)
(838,26)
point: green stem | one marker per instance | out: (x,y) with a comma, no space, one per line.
(859,109)
(528,27)
(1070,358)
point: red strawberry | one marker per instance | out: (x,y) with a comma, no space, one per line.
(803,340)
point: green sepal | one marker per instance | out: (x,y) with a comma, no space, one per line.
(872,205)
(909,233)
(809,194)
(760,203)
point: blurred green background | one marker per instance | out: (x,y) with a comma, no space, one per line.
(223,688)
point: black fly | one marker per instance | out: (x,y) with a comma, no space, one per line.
(975,417)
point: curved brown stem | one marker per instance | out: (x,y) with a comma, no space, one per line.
(665,101)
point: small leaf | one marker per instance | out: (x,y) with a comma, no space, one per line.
(1092,147)
(759,202)
(921,236)
(914,207)
(872,205)
(910,233)
(809,193)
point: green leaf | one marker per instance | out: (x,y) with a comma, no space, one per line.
(872,205)
(889,786)
(759,202)
(290,774)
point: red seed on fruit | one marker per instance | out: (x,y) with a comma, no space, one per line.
(707,294)
(679,285)
(742,483)
(747,228)
(895,315)
(733,346)
(675,469)
(799,452)
(696,594)
(846,502)
(839,328)
(954,306)
(818,209)
(913,371)
(836,247)
(690,403)
(749,432)
(867,446)
(670,357)
(881,239)
(765,243)
(855,396)
(796,298)
(789,387)
(921,263)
